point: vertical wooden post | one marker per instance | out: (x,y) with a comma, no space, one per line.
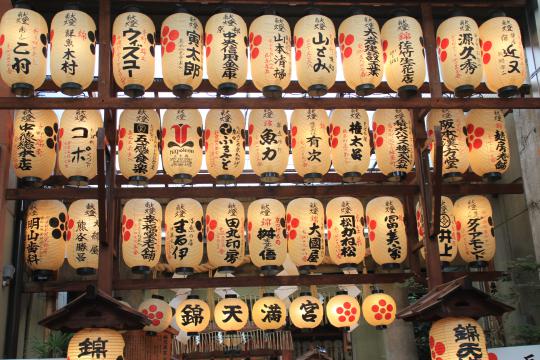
(430,46)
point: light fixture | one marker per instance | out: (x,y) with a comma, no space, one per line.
(456,338)
(306,311)
(158,311)
(269,312)
(379,309)
(82,238)
(343,310)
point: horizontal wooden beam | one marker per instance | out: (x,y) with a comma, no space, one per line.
(66,193)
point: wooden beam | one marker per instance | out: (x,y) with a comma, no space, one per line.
(430,46)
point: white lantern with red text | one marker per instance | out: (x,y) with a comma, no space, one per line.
(306,311)
(456,338)
(343,310)
(91,343)
(231,313)
(269,312)
(83,236)
(379,309)
(158,312)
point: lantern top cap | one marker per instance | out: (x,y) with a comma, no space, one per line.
(358,11)
(159,297)
(230,296)
(72,5)
(342,292)
(223,9)
(131,8)
(399,12)
(266,294)
(21,4)
(457,11)
(193,296)
(496,13)
(313,11)
(179,8)
(305,293)
(377,291)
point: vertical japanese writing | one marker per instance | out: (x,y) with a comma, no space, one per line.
(26,144)
(474,230)
(314,235)
(371,41)
(229,46)
(21,59)
(33,233)
(406,51)
(392,240)
(511,60)
(468,338)
(141,130)
(449,140)
(468,61)
(401,133)
(180,248)
(357,131)
(312,140)
(150,232)
(192,65)
(131,51)
(69,58)
(322,41)
(347,221)
(232,236)
(281,47)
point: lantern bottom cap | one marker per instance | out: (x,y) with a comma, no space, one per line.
(478,264)
(313,177)
(352,177)
(407,91)
(182,179)
(317,90)
(493,176)
(134,90)
(33,181)
(348,266)
(306,269)
(380,327)
(22,89)
(140,269)
(71,89)
(272,91)
(227,88)
(182,91)
(364,89)
(269,270)
(270,177)
(86,271)
(464,91)
(184,270)
(453,177)
(151,333)
(226,269)
(138,180)
(391,266)
(193,333)
(396,176)
(42,275)
(225,179)
(445,264)
(508,91)
(78,180)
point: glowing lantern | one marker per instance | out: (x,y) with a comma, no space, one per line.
(379,309)
(231,313)
(342,310)
(34,144)
(451,337)
(268,143)
(475,230)
(226,52)
(269,312)
(225,126)
(138,145)
(159,313)
(225,234)
(45,235)
(83,236)
(306,311)
(133,51)
(181,145)
(184,235)
(89,343)
(193,315)
(141,234)
(387,236)
(349,141)
(305,233)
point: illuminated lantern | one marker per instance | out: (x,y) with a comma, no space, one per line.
(309,143)
(73,50)
(387,236)
(181,144)
(231,313)
(269,312)
(45,235)
(23,50)
(489,147)
(379,309)
(361,53)
(350,149)
(345,224)
(267,237)
(184,235)
(141,234)
(343,310)
(133,51)
(270,50)
(305,233)
(193,315)
(475,230)
(314,38)
(89,343)
(83,236)
(138,145)
(503,55)
(452,337)
(393,142)
(34,145)
(225,234)
(306,311)
(225,126)
(158,312)
(226,52)
(77,145)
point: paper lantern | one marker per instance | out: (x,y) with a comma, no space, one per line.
(387,235)
(305,233)
(314,38)
(133,51)
(475,230)
(309,143)
(224,143)
(138,144)
(454,142)
(77,145)
(45,235)
(489,147)
(23,50)
(403,55)
(345,224)
(269,312)
(184,235)
(350,149)
(141,234)
(503,55)
(306,311)
(34,145)
(158,312)
(181,145)
(231,313)
(193,315)
(96,343)
(343,310)
(83,236)
(458,46)
(456,338)
(361,53)
(226,52)
(73,50)
(393,142)
(379,309)
(267,236)
(225,234)
(270,54)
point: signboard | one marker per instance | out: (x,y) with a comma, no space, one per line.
(531,352)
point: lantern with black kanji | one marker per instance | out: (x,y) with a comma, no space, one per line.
(306,311)
(379,309)
(158,312)
(343,310)
(141,234)
(133,52)
(94,343)
(455,338)
(269,312)
(83,236)
(193,315)
(184,235)
(231,313)
(45,238)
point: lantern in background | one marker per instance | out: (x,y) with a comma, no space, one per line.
(77,145)
(73,50)
(193,315)
(379,309)
(138,145)
(314,38)
(34,145)
(226,52)
(231,313)
(224,126)
(133,51)
(269,312)
(343,310)
(267,237)
(141,234)
(225,234)
(181,144)
(393,142)
(305,233)
(455,338)
(475,230)
(83,236)
(45,235)
(387,236)
(91,343)
(306,311)
(159,313)
(489,148)
(350,149)
(184,235)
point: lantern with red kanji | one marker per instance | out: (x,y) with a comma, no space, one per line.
(93,343)
(158,312)
(306,311)
(379,309)
(193,315)
(343,310)
(231,313)
(269,312)
(83,236)
(455,338)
